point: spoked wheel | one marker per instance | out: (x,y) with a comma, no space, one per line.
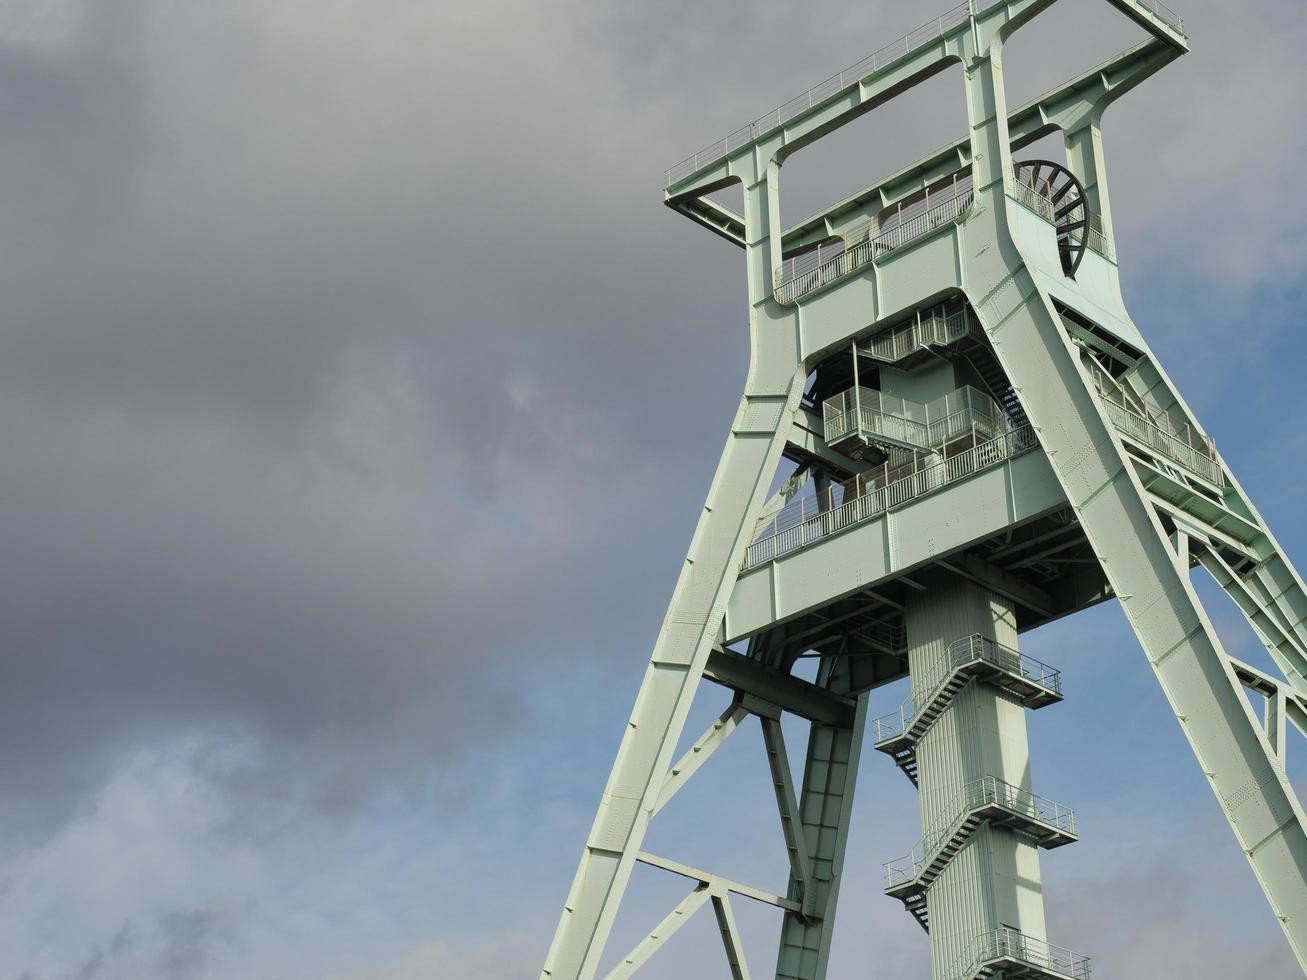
(1070,211)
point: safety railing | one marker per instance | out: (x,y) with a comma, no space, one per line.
(1009,944)
(1165,14)
(1179,442)
(824,263)
(1095,235)
(938,328)
(874,421)
(882,488)
(842,81)
(975,795)
(962,653)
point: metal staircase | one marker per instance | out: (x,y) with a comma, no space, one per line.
(985,800)
(974,349)
(974,657)
(936,328)
(950,331)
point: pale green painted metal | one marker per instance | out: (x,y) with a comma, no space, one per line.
(971,874)
(999,253)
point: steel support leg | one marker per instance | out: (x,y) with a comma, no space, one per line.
(826,809)
(675,669)
(1124,528)
(1159,601)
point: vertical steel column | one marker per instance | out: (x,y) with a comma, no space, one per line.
(826,807)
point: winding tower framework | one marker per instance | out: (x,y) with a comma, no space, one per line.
(981,442)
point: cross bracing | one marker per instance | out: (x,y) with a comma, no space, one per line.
(1089,480)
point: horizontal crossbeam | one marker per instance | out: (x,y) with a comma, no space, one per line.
(1058,108)
(792,694)
(718,884)
(1061,107)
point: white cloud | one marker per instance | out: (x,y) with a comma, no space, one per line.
(356,388)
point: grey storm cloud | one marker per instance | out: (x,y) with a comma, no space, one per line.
(346,347)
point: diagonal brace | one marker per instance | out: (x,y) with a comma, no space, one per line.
(721,906)
(662,932)
(698,753)
(788,804)
(1282,647)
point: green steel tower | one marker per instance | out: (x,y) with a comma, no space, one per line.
(981,441)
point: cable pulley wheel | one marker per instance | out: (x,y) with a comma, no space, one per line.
(1070,208)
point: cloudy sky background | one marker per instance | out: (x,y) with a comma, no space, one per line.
(358,396)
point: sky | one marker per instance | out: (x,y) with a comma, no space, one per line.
(357,398)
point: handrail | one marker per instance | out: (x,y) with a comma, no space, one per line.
(862,244)
(935,329)
(1179,442)
(1095,234)
(1008,943)
(1165,14)
(887,486)
(840,82)
(984,791)
(961,653)
(902,420)
(824,264)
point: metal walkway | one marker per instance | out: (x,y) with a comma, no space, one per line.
(1011,955)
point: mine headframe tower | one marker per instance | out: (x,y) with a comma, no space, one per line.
(984,442)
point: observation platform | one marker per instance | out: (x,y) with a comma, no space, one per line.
(974,657)
(882,488)
(985,800)
(875,531)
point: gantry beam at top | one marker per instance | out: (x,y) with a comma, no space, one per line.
(886,73)
(1061,108)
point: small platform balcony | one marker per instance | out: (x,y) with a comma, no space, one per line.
(940,327)
(1013,955)
(977,657)
(984,800)
(863,417)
